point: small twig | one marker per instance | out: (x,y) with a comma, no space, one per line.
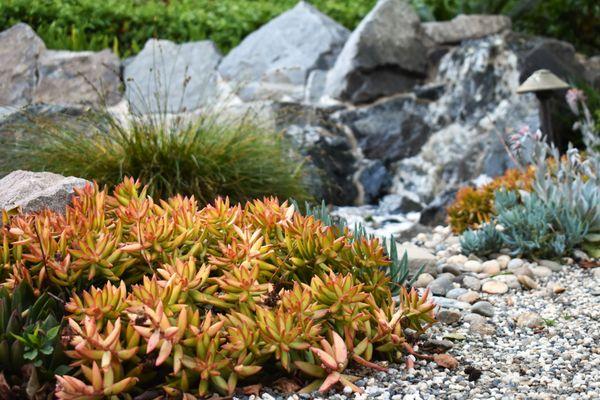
(509,152)
(410,350)
(55,297)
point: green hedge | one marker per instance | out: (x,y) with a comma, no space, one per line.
(125,25)
(575,21)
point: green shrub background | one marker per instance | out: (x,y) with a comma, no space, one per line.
(125,25)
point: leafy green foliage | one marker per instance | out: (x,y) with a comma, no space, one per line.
(39,340)
(125,25)
(29,337)
(207,158)
(575,21)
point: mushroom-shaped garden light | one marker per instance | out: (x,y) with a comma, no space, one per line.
(543,83)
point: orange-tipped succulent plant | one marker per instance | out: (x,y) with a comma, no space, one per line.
(162,295)
(333,360)
(475,206)
(101,304)
(103,385)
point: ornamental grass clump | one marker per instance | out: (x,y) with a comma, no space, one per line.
(166,298)
(209,156)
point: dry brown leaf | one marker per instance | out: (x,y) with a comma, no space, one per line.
(286,385)
(558,289)
(252,390)
(4,387)
(587,264)
(445,361)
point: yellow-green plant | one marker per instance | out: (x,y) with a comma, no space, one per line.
(167,296)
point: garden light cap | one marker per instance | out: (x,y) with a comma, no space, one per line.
(542,80)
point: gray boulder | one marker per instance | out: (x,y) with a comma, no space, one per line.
(68,78)
(592,71)
(545,53)
(418,257)
(435,212)
(478,108)
(463,27)
(330,163)
(36,191)
(374,180)
(275,61)
(19,50)
(386,54)
(400,202)
(331,158)
(35,118)
(172,77)
(389,130)
(315,86)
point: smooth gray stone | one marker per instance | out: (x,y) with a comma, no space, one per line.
(36,191)
(20,48)
(274,62)
(385,54)
(171,77)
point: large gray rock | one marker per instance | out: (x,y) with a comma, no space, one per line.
(386,54)
(68,78)
(592,71)
(477,75)
(545,53)
(374,180)
(417,257)
(463,27)
(477,110)
(166,76)
(435,212)
(275,61)
(331,158)
(19,50)
(400,202)
(389,130)
(36,191)
(35,118)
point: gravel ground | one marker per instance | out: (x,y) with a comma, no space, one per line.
(510,342)
(557,359)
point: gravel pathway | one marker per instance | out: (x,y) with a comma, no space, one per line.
(500,357)
(558,358)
